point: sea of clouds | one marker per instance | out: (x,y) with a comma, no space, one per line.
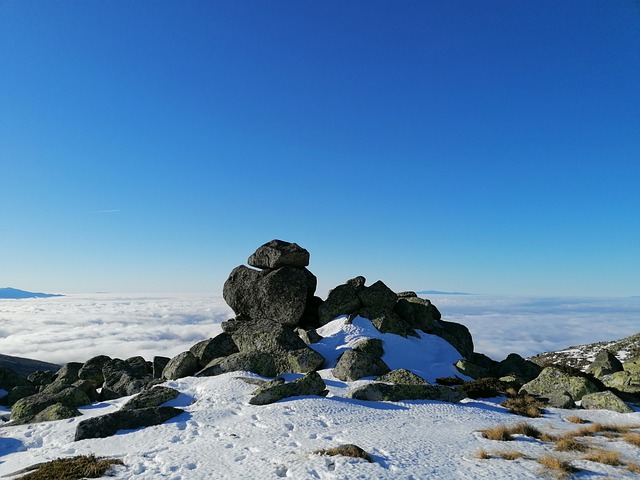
(77,327)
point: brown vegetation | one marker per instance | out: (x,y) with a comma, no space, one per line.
(632,439)
(348,450)
(557,464)
(570,445)
(576,419)
(73,468)
(525,405)
(499,432)
(606,457)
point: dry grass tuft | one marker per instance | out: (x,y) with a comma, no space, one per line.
(73,468)
(510,454)
(526,429)
(484,388)
(632,439)
(576,419)
(633,467)
(499,432)
(611,428)
(505,433)
(606,457)
(570,445)
(482,454)
(525,405)
(556,463)
(347,450)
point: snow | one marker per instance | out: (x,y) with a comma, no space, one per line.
(222,436)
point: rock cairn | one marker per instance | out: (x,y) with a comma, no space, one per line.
(276,315)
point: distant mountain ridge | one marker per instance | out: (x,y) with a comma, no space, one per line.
(14,293)
(581,356)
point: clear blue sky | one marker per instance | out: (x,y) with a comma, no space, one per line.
(483,146)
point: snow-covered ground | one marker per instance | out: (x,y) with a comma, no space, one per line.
(222,436)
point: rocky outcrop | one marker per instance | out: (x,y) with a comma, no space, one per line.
(182,365)
(605,401)
(623,381)
(57,411)
(260,363)
(277,389)
(219,346)
(24,410)
(107,425)
(276,254)
(279,292)
(288,350)
(553,381)
(123,378)
(91,370)
(579,356)
(385,392)
(402,377)
(152,397)
(605,363)
(514,365)
(364,360)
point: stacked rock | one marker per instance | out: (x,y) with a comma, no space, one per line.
(281,290)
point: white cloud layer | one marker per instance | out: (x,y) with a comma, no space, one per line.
(77,327)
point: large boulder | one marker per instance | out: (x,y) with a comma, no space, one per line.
(418,312)
(158,364)
(553,381)
(524,370)
(68,374)
(456,334)
(632,366)
(605,363)
(355,364)
(122,379)
(219,346)
(54,412)
(280,295)
(624,381)
(184,364)
(107,425)
(605,401)
(385,392)
(378,295)
(9,379)
(270,392)
(260,363)
(277,253)
(152,397)
(342,300)
(288,350)
(91,370)
(402,377)
(387,321)
(25,409)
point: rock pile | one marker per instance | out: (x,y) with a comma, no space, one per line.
(282,290)
(276,312)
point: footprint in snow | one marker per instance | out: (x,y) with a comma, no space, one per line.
(281,471)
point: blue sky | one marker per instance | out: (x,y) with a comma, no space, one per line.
(491,147)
